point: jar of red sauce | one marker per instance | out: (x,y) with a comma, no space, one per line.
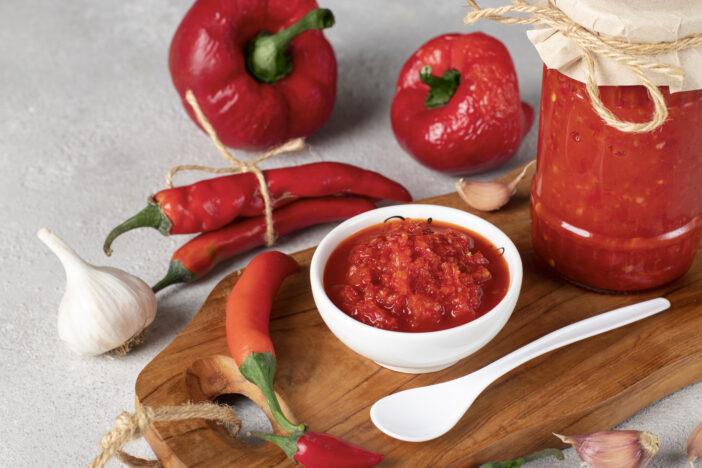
(613,210)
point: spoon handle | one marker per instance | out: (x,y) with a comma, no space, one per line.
(575,332)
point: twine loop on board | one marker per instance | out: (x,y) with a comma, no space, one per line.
(132,426)
(623,52)
(291,146)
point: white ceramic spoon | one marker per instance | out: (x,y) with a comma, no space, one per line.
(425,413)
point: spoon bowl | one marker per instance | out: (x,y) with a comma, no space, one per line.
(435,409)
(425,413)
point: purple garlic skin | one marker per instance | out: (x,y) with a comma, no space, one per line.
(609,449)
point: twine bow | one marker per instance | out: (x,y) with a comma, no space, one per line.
(625,53)
(133,426)
(239,166)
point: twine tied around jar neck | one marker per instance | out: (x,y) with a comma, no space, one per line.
(626,53)
(291,146)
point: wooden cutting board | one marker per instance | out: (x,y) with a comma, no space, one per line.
(587,386)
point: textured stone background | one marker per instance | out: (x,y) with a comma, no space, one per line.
(89,123)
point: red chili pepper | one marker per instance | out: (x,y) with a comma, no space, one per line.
(247,316)
(319,450)
(199,255)
(466,117)
(213,203)
(257,89)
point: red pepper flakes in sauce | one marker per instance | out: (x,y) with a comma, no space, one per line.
(415,276)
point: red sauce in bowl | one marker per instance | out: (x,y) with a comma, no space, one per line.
(416,275)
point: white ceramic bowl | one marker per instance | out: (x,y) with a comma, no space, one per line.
(425,351)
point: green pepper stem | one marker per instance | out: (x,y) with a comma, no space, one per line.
(441,89)
(319,18)
(259,369)
(288,444)
(267,58)
(151,216)
(525,459)
(177,273)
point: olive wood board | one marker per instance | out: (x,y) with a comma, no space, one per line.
(587,386)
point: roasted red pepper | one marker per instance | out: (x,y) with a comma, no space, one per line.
(246,320)
(213,203)
(457,106)
(199,255)
(256,88)
(247,316)
(319,450)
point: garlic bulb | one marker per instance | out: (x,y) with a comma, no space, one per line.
(489,196)
(103,308)
(694,445)
(607,449)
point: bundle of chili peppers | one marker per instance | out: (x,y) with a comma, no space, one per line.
(228,211)
(247,317)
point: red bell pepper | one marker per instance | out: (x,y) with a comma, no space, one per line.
(257,89)
(457,106)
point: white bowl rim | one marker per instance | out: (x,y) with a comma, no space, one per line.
(515,270)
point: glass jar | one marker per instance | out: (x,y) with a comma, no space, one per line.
(612,210)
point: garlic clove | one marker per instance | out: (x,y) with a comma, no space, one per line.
(103,308)
(489,196)
(607,449)
(694,445)
(483,196)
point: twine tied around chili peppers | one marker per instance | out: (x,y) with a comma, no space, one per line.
(133,426)
(291,146)
(626,53)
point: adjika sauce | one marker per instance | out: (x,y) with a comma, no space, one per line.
(612,210)
(416,275)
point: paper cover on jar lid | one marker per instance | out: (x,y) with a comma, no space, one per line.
(652,21)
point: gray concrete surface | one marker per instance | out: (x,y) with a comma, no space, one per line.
(89,124)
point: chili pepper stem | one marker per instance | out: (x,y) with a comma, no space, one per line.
(151,216)
(267,58)
(525,459)
(442,88)
(287,444)
(259,369)
(177,273)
